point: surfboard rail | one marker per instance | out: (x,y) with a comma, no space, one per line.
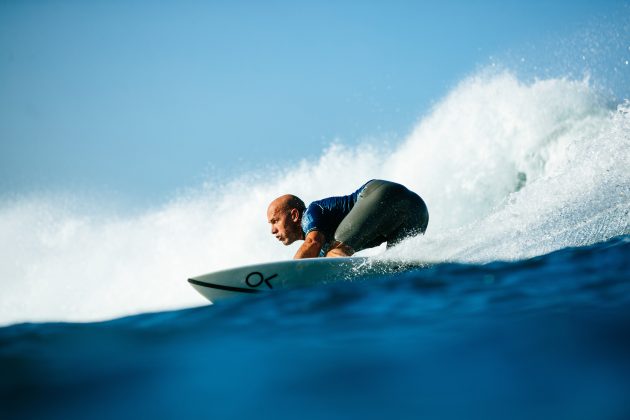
(267,277)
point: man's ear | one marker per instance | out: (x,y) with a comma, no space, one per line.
(295,215)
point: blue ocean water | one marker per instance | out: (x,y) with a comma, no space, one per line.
(543,337)
(522,311)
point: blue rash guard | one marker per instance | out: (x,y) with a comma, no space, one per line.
(326,214)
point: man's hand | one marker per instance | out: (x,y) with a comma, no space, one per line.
(313,243)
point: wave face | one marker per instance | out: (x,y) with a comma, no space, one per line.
(545,338)
(509,170)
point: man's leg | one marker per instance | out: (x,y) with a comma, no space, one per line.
(379,215)
(415,219)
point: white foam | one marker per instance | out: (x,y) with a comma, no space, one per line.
(572,150)
(509,170)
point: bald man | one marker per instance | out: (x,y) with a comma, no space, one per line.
(379,211)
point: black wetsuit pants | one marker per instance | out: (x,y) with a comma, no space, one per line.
(385,212)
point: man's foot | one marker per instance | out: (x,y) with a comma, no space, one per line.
(339,249)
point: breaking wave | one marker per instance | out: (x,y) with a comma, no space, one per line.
(509,170)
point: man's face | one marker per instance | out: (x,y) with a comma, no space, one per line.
(284,223)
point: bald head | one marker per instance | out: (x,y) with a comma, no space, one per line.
(288,202)
(284,214)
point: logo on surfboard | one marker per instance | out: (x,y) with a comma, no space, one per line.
(256,278)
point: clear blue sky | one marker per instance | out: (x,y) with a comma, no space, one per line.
(144,97)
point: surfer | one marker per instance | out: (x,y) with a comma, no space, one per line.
(380,211)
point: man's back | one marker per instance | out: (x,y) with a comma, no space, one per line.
(326,214)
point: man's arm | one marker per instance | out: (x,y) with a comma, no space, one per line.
(313,243)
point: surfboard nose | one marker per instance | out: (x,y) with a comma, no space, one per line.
(214,291)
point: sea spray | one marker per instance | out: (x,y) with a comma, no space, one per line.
(518,190)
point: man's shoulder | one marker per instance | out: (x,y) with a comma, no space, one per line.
(314,208)
(311,217)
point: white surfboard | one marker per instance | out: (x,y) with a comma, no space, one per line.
(267,277)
